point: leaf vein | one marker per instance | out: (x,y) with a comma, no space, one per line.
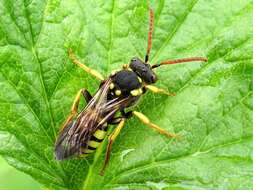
(178,26)
(193,154)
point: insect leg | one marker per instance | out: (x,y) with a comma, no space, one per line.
(75,104)
(112,138)
(150,32)
(115,120)
(146,121)
(126,115)
(158,90)
(84,67)
(86,95)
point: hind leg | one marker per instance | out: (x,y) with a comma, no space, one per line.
(112,138)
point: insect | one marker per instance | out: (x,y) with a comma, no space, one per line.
(83,132)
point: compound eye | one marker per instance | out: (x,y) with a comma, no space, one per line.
(153,78)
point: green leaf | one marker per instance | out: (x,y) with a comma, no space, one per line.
(212,109)
(8,174)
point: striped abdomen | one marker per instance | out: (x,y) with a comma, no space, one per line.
(95,139)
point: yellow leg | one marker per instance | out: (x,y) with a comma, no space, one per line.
(112,138)
(158,90)
(146,121)
(74,109)
(84,67)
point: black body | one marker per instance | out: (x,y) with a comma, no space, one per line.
(126,80)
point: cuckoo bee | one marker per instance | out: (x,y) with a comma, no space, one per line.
(83,132)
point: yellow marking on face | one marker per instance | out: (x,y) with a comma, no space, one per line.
(93,144)
(112,86)
(118,92)
(99,134)
(139,79)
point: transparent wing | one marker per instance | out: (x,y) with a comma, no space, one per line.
(74,137)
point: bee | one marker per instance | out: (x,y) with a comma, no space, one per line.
(83,132)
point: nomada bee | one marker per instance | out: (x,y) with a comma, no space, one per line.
(83,132)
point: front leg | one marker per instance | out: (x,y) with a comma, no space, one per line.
(84,67)
(158,90)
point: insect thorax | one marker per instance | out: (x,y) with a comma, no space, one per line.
(125,83)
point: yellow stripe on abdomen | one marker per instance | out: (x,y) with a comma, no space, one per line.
(100,134)
(95,140)
(93,144)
